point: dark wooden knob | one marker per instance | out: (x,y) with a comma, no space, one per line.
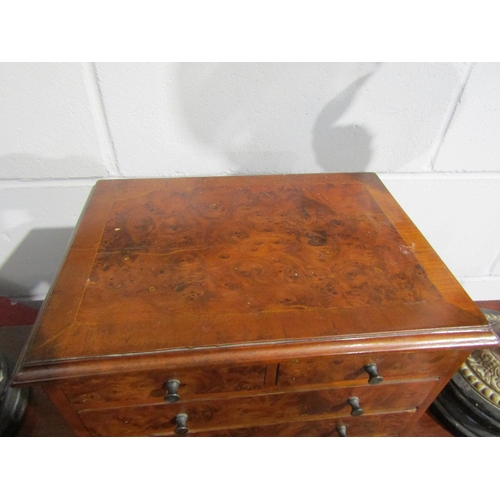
(371,369)
(172,387)
(356,409)
(342,431)
(181,420)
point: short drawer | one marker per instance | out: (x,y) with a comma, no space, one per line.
(151,387)
(351,368)
(384,424)
(253,410)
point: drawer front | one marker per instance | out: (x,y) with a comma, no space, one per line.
(150,387)
(255,410)
(386,424)
(392,366)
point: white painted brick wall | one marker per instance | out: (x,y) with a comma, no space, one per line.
(48,122)
(471,143)
(429,129)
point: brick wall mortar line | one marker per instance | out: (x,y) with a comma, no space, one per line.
(450,114)
(101,119)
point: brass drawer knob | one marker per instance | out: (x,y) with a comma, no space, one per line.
(356,409)
(181,420)
(172,387)
(375,378)
(342,431)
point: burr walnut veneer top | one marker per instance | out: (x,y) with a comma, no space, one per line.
(238,264)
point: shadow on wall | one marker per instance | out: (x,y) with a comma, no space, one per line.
(341,148)
(261,115)
(28,273)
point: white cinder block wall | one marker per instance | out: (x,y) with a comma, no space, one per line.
(429,129)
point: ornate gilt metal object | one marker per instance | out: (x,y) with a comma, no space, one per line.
(470,404)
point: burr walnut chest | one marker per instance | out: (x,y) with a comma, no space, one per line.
(287,305)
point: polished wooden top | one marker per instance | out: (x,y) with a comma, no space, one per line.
(176,265)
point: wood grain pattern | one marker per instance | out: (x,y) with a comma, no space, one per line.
(254,410)
(263,295)
(66,409)
(149,386)
(181,263)
(197,358)
(400,366)
(264,250)
(444,281)
(367,426)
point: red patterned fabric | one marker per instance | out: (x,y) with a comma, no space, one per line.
(13,314)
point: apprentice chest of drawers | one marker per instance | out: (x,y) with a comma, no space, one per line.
(290,305)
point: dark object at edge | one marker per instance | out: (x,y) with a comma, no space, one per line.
(469,405)
(13,401)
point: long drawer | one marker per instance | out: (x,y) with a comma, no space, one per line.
(268,409)
(389,424)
